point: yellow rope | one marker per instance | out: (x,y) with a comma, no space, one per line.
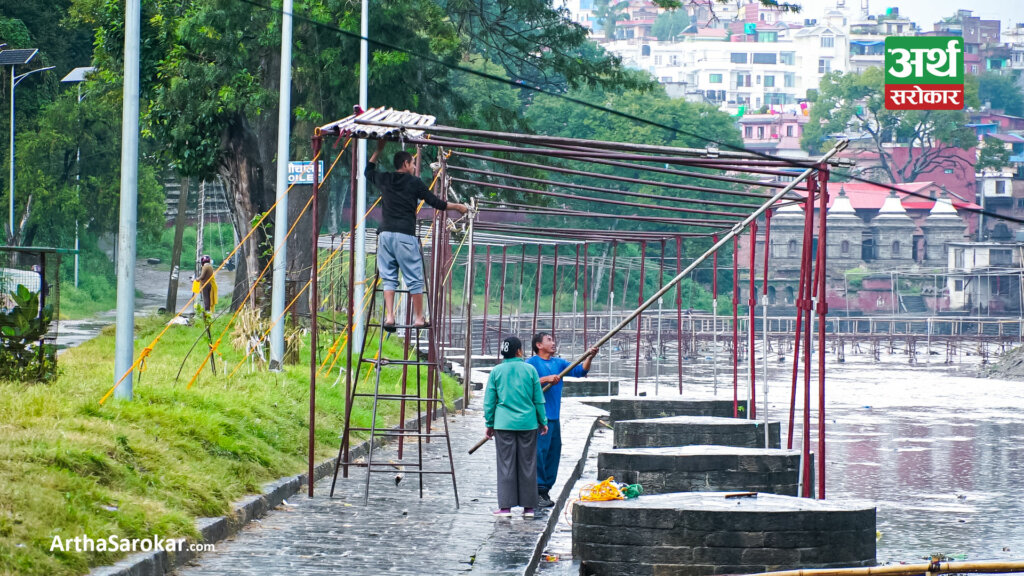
(238,246)
(306,286)
(252,288)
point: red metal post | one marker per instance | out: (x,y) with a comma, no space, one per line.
(554,292)
(735,326)
(809,288)
(752,309)
(585,284)
(536,293)
(639,320)
(501,296)
(679,313)
(822,312)
(487,292)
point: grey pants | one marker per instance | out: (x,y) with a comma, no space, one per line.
(517,468)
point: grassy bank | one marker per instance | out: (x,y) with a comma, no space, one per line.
(72,467)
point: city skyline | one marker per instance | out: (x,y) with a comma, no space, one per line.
(926,12)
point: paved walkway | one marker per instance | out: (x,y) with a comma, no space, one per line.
(397,531)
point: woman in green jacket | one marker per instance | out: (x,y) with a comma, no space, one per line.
(513,411)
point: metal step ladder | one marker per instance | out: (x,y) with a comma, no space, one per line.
(426,402)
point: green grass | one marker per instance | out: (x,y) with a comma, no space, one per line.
(218,241)
(72,467)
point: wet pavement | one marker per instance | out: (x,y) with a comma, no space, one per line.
(151,283)
(398,532)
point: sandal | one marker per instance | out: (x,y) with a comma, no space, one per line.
(389,327)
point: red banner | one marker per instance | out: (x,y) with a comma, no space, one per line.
(924,96)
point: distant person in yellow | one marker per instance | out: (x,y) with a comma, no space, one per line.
(206,284)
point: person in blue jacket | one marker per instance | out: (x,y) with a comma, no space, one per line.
(549,446)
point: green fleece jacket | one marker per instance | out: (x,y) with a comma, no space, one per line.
(513,399)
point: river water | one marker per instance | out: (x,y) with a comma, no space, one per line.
(940,452)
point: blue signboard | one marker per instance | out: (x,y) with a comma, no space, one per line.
(302,172)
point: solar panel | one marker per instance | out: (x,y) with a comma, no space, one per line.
(17,57)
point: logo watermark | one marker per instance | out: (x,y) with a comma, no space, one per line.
(115,543)
(924,73)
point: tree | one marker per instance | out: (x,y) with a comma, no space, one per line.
(1002,92)
(670,24)
(607,13)
(855,103)
(992,155)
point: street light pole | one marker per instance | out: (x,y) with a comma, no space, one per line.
(78,76)
(360,207)
(15,80)
(281,215)
(125,331)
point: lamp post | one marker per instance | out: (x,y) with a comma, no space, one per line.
(15,58)
(78,76)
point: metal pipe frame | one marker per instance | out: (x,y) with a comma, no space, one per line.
(552,211)
(598,175)
(600,200)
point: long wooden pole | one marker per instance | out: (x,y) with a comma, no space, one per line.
(989,567)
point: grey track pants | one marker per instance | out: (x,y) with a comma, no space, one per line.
(517,468)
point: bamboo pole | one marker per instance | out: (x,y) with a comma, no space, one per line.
(986,567)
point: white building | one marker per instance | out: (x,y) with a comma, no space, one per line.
(733,74)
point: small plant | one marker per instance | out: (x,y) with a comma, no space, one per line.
(23,356)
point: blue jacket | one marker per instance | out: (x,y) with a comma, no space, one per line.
(550,367)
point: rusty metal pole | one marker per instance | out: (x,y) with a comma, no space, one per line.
(467,365)
(764,321)
(585,285)
(714,313)
(735,325)
(822,309)
(575,295)
(809,289)
(536,293)
(639,321)
(313,317)
(554,292)
(679,313)
(657,354)
(751,329)
(611,308)
(487,293)
(501,297)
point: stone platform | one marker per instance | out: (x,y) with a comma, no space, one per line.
(706,533)
(704,468)
(687,430)
(579,387)
(643,407)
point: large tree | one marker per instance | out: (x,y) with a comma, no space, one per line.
(855,103)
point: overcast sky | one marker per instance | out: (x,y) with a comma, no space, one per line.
(926,12)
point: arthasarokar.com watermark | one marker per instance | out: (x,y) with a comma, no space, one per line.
(115,543)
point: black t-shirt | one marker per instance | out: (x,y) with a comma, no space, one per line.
(400,194)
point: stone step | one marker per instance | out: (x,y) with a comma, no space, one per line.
(580,387)
(688,430)
(705,533)
(704,468)
(642,407)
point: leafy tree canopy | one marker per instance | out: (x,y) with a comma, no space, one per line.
(855,103)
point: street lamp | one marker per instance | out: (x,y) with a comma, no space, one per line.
(78,76)
(14,58)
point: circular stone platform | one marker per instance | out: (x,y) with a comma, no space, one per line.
(641,407)
(689,430)
(583,387)
(705,533)
(704,468)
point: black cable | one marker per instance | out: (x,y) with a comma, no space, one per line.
(604,109)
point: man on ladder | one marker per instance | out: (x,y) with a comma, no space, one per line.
(397,246)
